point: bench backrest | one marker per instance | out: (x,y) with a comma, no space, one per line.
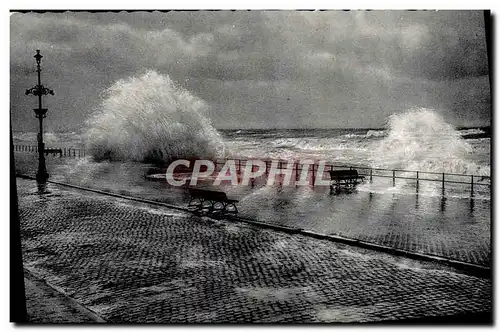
(218,196)
(343,174)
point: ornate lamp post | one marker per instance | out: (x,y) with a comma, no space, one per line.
(39,90)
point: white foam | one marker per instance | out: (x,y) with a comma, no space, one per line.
(420,139)
(150,117)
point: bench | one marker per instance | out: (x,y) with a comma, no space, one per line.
(344,179)
(214,201)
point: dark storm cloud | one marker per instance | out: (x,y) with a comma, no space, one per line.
(261,68)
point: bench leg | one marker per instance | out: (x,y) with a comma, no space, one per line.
(195,202)
(232,208)
(208,206)
(218,207)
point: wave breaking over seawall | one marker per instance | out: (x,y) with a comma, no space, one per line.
(149,118)
(421,140)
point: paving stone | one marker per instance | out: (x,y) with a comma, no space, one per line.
(130,262)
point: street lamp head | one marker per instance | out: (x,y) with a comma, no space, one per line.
(38,56)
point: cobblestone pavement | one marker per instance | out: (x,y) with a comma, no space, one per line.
(454,228)
(132,262)
(46,305)
(374,218)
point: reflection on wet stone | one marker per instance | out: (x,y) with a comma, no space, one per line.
(443,203)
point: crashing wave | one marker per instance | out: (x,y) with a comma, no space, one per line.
(420,139)
(149,118)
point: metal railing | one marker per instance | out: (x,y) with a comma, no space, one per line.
(65,152)
(371,172)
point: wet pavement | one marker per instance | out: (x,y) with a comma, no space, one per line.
(45,305)
(457,228)
(133,262)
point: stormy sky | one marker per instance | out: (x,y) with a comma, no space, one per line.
(260,69)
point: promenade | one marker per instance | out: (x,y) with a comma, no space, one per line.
(445,226)
(129,262)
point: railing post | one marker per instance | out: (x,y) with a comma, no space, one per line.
(239,165)
(79,153)
(442,188)
(296,172)
(65,152)
(417,182)
(471,185)
(371,175)
(393,178)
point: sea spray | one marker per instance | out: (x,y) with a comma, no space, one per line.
(420,139)
(149,118)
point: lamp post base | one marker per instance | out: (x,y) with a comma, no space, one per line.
(42,177)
